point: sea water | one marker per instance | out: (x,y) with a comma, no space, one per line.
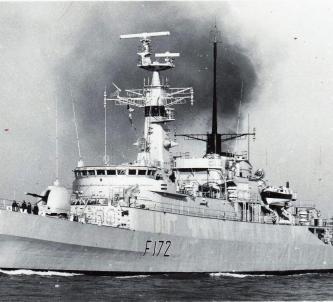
(25,285)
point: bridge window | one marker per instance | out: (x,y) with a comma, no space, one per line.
(91,172)
(155,111)
(131,172)
(142,172)
(91,202)
(111,172)
(121,172)
(103,201)
(84,173)
(193,170)
(151,172)
(100,172)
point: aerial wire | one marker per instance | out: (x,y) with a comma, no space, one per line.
(75,124)
(56,145)
(239,113)
(105,136)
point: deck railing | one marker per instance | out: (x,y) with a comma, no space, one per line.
(188,210)
(241,215)
(6,204)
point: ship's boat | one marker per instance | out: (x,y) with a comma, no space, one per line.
(167,212)
(276,196)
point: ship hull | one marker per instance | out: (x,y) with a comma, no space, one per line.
(181,244)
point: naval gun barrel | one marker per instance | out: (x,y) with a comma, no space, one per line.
(42,197)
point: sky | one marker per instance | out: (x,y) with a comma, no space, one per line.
(280,52)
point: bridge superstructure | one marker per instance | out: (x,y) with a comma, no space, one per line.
(157,99)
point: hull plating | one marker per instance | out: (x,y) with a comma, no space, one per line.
(184,244)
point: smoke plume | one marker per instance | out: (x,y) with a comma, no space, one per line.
(271,49)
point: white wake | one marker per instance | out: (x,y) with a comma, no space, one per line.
(235,275)
(134,276)
(39,273)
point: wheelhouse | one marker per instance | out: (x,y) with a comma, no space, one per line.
(114,171)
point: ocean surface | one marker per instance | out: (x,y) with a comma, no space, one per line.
(25,285)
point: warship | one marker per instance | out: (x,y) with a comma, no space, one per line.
(166,212)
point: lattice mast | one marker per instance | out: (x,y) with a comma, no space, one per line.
(156,98)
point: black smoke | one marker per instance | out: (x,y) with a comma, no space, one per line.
(98,58)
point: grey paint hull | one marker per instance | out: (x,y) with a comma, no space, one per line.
(196,245)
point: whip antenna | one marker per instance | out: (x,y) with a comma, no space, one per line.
(76,127)
(239,113)
(56,182)
(106,158)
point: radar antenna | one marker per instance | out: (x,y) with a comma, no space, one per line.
(146,51)
(167,55)
(145,36)
(138,97)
